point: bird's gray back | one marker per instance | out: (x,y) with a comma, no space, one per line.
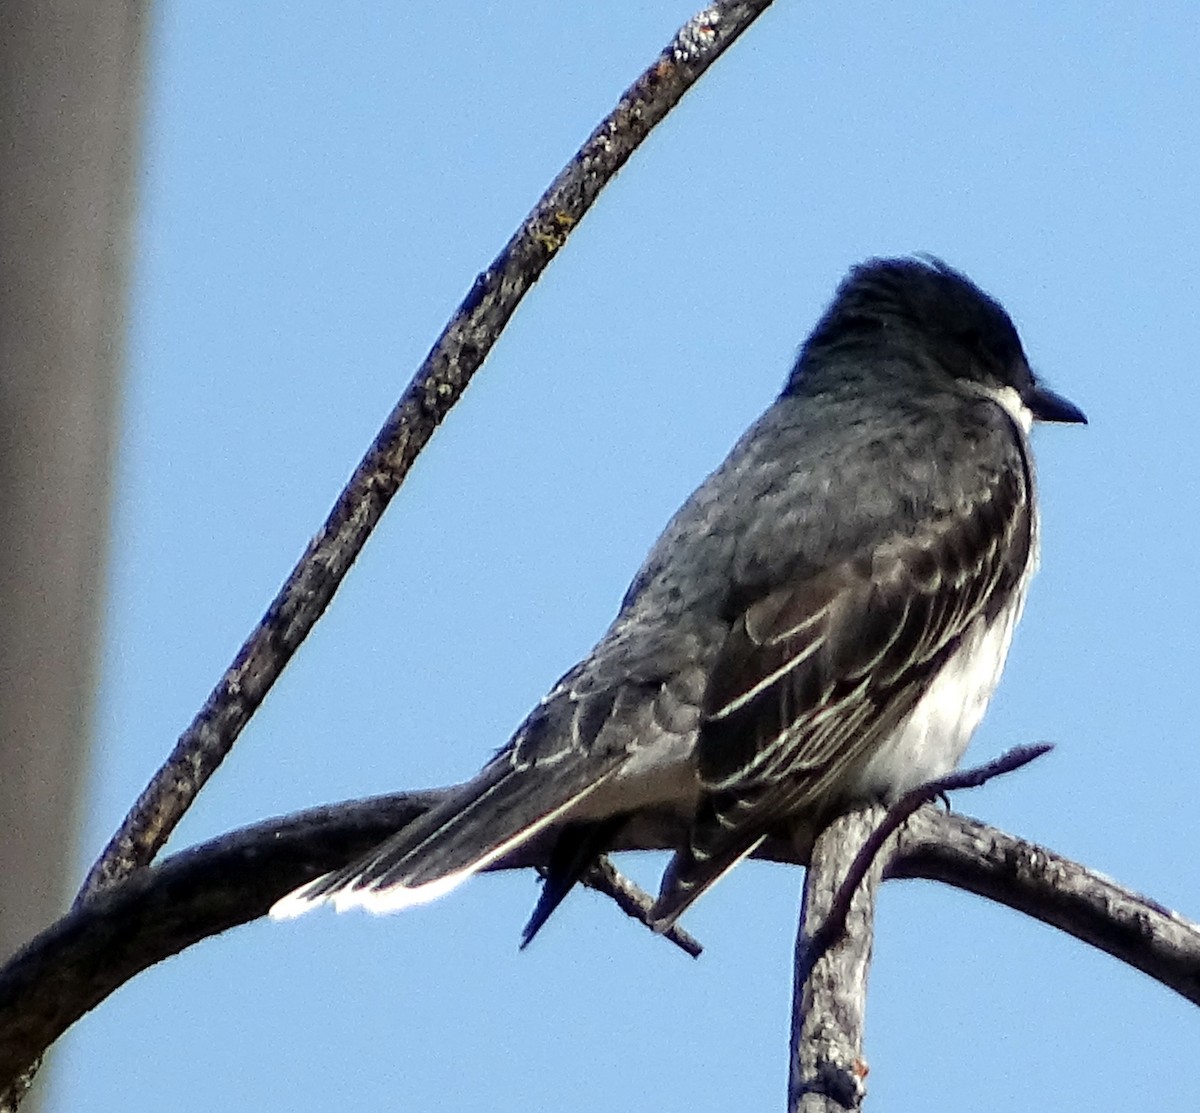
(820,478)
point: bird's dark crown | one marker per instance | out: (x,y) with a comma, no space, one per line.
(925,312)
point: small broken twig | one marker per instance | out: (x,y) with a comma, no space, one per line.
(835,923)
(636,902)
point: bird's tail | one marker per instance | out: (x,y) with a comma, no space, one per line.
(485,819)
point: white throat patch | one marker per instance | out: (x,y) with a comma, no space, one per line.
(1012,404)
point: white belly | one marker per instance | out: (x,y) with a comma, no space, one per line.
(932,740)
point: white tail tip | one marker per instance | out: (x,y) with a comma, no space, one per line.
(298,901)
(378,901)
(395,898)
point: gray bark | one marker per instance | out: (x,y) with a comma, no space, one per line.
(107,940)
(827,1071)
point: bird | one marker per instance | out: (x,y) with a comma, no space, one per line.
(821,624)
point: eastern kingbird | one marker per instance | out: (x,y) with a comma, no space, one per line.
(823,622)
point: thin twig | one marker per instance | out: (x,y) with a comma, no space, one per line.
(438,384)
(835,923)
(636,902)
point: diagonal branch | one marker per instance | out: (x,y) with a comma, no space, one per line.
(438,384)
(637,904)
(834,921)
(1028,878)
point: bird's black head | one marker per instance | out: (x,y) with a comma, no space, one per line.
(938,322)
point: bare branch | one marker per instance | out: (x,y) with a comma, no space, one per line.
(1029,878)
(98,946)
(834,922)
(833,945)
(829,993)
(438,384)
(636,903)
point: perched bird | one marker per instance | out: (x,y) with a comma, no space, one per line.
(823,622)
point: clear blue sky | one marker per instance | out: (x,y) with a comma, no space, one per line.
(320,184)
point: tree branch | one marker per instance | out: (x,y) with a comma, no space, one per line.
(833,944)
(1029,878)
(829,992)
(438,384)
(101,944)
(635,902)
(833,920)
(436,387)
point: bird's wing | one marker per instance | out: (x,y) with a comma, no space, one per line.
(814,675)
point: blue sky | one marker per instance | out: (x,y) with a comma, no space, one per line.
(320,184)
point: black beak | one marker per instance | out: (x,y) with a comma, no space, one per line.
(1046,405)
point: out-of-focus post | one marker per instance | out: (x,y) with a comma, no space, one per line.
(71,78)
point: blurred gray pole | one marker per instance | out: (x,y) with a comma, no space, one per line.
(71,75)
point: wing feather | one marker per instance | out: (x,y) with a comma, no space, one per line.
(815,674)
